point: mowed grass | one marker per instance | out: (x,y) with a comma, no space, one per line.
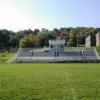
(5,57)
(49,81)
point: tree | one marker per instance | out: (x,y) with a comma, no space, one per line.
(13,41)
(4,38)
(29,41)
(36,31)
(72,39)
(44,38)
(71,35)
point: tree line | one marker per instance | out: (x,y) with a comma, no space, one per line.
(39,38)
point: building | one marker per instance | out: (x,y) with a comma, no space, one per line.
(90,41)
(56,45)
(98,39)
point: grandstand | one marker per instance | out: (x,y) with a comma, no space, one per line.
(56,53)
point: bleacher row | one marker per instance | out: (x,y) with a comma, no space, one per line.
(31,55)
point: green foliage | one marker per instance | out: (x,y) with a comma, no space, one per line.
(49,81)
(5,57)
(29,41)
(44,38)
(73,36)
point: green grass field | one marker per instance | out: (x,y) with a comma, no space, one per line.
(49,81)
(5,57)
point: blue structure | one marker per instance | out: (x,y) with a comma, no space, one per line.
(56,45)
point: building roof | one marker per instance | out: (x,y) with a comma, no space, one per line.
(58,41)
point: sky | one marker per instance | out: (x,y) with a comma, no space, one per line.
(31,14)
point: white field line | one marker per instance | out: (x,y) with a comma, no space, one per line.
(71,87)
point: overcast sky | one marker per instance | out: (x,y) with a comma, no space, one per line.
(24,14)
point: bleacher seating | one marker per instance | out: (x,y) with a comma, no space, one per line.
(90,55)
(31,55)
